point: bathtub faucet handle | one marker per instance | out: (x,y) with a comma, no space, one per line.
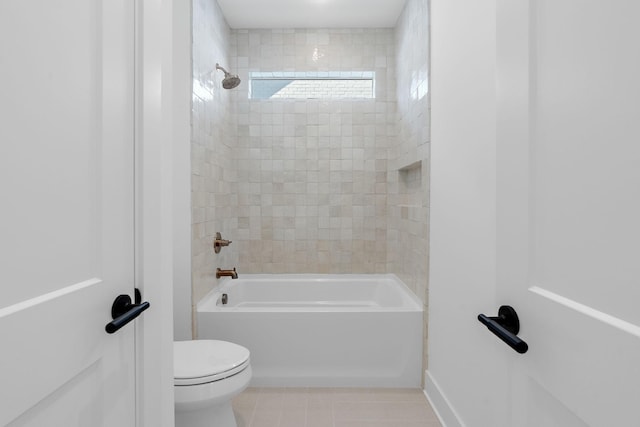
(226,273)
(219,243)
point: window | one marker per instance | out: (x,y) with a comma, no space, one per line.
(310,85)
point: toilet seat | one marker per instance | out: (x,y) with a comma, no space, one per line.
(206,361)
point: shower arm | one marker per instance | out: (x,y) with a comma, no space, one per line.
(218,67)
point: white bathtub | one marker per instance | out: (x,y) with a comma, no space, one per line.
(320,330)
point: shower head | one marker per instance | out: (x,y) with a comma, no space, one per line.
(230,81)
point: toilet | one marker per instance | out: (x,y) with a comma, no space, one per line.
(207,375)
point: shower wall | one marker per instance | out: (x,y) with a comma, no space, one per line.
(213,171)
(313,174)
(311,186)
(408,214)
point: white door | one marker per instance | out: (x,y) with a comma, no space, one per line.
(569,208)
(66,221)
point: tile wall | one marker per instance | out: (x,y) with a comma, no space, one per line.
(311,186)
(213,186)
(408,184)
(312,174)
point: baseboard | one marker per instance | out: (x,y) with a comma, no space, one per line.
(440,404)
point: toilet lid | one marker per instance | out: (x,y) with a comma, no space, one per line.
(204,361)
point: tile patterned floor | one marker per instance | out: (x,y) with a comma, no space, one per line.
(333,407)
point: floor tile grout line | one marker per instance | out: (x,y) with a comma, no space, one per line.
(306,409)
(253,412)
(333,412)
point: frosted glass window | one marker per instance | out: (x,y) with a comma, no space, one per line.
(312,85)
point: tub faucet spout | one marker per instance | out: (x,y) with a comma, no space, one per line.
(226,273)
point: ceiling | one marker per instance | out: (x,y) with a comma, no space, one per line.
(311,13)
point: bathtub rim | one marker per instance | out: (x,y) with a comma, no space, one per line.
(208,302)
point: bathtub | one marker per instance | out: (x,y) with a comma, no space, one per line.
(320,330)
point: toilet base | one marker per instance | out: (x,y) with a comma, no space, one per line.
(220,415)
(209,405)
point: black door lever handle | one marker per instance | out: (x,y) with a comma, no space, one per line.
(506,327)
(124,311)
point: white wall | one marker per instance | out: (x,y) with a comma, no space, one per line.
(465,379)
(161,125)
(182,175)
